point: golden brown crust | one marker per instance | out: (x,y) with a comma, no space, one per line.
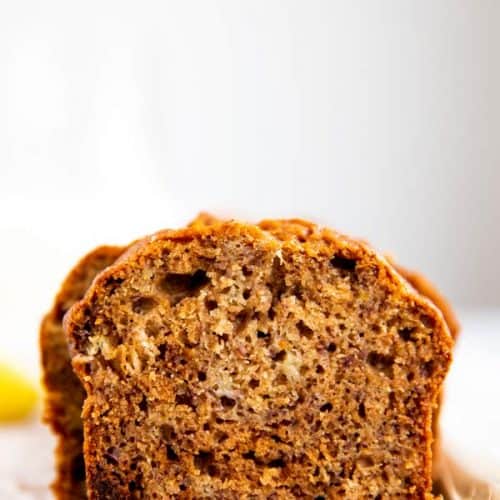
(64,394)
(294,240)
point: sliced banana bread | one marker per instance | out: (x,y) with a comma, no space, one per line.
(230,361)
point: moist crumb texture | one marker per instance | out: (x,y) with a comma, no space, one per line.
(233,361)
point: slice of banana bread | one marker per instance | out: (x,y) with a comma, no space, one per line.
(65,399)
(64,393)
(225,361)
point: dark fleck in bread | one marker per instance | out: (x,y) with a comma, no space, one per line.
(232,361)
(64,392)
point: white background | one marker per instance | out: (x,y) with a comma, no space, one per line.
(381,118)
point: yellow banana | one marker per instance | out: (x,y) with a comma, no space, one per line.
(17,395)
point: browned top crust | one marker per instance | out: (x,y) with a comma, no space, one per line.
(291,232)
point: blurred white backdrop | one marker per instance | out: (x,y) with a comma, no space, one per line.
(380,118)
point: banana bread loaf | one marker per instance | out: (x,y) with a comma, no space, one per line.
(232,361)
